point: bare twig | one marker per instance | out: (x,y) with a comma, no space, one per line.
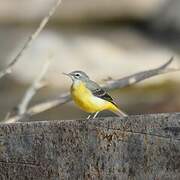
(29,41)
(44,106)
(119,83)
(41,107)
(12,112)
(32,90)
(135,78)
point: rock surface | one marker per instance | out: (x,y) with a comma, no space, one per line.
(143,35)
(137,147)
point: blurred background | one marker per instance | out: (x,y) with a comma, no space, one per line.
(105,38)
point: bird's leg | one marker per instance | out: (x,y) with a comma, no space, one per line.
(88,116)
(95,114)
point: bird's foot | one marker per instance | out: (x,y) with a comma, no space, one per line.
(89,116)
(94,116)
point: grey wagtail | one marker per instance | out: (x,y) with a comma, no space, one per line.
(89,96)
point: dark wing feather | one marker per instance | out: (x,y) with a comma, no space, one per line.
(98,91)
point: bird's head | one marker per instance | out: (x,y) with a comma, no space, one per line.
(77,75)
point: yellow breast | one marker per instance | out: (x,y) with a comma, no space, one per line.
(86,100)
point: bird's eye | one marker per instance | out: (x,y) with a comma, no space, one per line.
(77,75)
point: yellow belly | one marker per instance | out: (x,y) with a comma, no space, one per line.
(87,101)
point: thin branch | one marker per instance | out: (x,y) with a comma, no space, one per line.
(135,78)
(114,84)
(41,107)
(32,90)
(44,106)
(29,41)
(12,112)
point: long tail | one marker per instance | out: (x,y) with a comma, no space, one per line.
(120,113)
(117,111)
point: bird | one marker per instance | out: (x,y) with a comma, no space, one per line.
(89,96)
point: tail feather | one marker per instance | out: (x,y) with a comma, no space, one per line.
(120,113)
(117,111)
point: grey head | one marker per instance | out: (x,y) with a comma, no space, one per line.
(78,75)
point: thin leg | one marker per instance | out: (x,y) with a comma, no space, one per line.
(95,114)
(88,116)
